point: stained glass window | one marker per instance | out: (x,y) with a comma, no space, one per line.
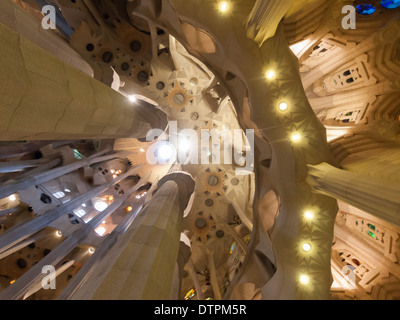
(390,4)
(371,234)
(365,9)
(191,293)
(232,247)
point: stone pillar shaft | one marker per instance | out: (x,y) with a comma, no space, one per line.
(44,98)
(76,288)
(146,266)
(379,198)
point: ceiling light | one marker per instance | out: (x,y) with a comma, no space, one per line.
(223,6)
(13,197)
(296,137)
(142,150)
(165,151)
(304,279)
(58,233)
(132,98)
(270,74)
(283,106)
(306,247)
(129,208)
(100,205)
(308,215)
(91,250)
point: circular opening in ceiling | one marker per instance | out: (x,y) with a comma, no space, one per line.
(107,57)
(136,46)
(21,263)
(200,223)
(193,82)
(235,181)
(45,198)
(179,98)
(209,202)
(160,85)
(125,66)
(220,233)
(142,76)
(212,180)
(90,47)
(194,116)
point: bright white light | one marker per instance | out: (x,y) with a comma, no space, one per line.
(59,194)
(165,151)
(100,231)
(296,137)
(91,250)
(306,247)
(283,106)
(132,98)
(223,7)
(304,279)
(13,197)
(79,212)
(308,215)
(270,74)
(142,150)
(299,47)
(58,233)
(100,205)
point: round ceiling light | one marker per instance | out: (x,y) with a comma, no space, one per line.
(100,205)
(296,137)
(306,247)
(308,215)
(165,151)
(283,106)
(223,6)
(270,74)
(304,279)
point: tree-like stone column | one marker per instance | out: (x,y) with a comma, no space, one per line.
(146,266)
(44,98)
(377,197)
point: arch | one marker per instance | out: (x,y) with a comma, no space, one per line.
(198,39)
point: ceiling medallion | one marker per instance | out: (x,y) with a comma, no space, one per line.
(178,97)
(213,182)
(203,224)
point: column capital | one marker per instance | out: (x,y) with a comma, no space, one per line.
(186,185)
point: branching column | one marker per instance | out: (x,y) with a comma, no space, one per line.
(264,19)
(43,98)
(146,267)
(377,197)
